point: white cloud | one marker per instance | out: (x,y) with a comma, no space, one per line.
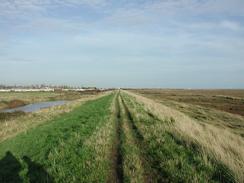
(168,7)
(210,26)
(231,25)
(16,60)
(25,8)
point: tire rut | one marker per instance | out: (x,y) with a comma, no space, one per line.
(139,140)
(117,158)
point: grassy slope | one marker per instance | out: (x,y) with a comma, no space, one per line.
(225,100)
(55,150)
(187,103)
(14,123)
(218,118)
(171,158)
(219,143)
(111,139)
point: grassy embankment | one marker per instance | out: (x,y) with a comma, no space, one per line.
(10,100)
(206,106)
(218,118)
(149,150)
(14,123)
(188,150)
(70,148)
(123,138)
(222,99)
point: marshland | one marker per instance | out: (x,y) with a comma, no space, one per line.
(121,91)
(123,136)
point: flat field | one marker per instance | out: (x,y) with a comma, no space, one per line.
(231,101)
(123,136)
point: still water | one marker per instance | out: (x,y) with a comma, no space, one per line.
(35,106)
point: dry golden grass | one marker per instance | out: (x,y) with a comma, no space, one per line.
(222,144)
(221,119)
(12,127)
(230,101)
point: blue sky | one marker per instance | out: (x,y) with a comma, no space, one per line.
(112,43)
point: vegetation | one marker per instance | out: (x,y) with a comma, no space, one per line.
(133,164)
(13,123)
(215,143)
(8,98)
(8,116)
(15,99)
(58,150)
(118,137)
(225,100)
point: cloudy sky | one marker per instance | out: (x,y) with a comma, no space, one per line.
(123,43)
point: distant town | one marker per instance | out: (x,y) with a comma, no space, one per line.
(44,88)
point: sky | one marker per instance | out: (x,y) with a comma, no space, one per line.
(123,43)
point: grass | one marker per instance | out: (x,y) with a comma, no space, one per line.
(224,100)
(132,160)
(13,123)
(58,150)
(14,99)
(118,137)
(8,116)
(221,119)
(215,143)
(172,158)
(117,173)
(25,97)
(97,150)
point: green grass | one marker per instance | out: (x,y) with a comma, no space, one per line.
(55,151)
(170,158)
(132,164)
(111,139)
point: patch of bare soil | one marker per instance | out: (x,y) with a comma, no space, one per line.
(15,103)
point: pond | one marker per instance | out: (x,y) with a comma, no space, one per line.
(35,106)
